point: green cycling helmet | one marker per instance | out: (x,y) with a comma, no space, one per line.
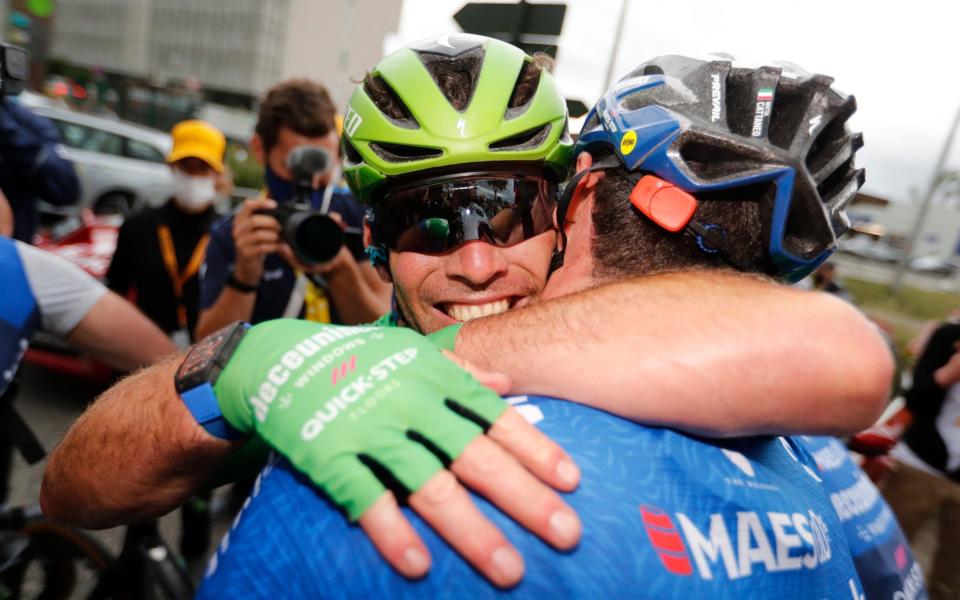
(503,109)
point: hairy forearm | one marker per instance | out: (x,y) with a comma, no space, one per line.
(232,305)
(355,298)
(709,353)
(136,453)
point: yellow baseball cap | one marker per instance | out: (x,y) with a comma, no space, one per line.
(198,139)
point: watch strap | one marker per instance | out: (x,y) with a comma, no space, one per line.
(240,286)
(202,404)
(199,371)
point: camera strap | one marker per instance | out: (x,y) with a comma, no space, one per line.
(177,278)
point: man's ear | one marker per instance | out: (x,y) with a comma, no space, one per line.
(256,146)
(584,162)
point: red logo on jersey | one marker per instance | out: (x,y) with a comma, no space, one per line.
(341,372)
(666,540)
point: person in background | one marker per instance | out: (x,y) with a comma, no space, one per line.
(32,167)
(824,279)
(249,273)
(160,250)
(922,485)
(159,254)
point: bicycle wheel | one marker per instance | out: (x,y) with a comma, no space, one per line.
(59,562)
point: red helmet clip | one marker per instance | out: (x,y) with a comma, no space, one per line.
(663,203)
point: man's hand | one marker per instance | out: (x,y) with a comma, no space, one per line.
(254,236)
(362,410)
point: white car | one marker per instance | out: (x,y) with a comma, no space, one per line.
(122,166)
(938,265)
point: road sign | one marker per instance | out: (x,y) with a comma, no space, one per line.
(533,27)
(576,108)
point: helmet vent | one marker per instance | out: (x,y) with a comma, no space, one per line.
(832,138)
(836,180)
(741,100)
(350,152)
(711,161)
(389,103)
(524,89)
(522,141)
(456,77)
(403,153)
(789,108)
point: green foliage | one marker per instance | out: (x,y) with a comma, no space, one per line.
(918,304)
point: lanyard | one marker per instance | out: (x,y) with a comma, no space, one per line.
(179,279)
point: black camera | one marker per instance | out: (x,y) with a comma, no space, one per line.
(14,70)
(313,236)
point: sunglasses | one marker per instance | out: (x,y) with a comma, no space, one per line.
(438,215)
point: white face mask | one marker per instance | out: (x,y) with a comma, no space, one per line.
(193,194)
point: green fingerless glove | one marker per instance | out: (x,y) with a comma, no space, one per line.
(347,405)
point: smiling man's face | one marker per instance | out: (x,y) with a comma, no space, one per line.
(475,279)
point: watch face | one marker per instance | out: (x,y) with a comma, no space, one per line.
(207,358)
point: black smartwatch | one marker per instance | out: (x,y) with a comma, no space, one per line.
(240,286)
(199,371)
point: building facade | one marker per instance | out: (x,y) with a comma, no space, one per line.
(239,47)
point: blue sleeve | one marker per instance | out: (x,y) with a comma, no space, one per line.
(28,143)
(217,263)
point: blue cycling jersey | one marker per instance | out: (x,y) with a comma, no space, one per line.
(19,313)
(665,515)
(880,551)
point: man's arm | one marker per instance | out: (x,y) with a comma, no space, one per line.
(115,332)
(122,425)
(711,353)
(253,236)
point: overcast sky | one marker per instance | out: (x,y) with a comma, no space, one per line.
(902,63)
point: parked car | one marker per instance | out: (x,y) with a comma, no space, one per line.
(121,166)
(937,265)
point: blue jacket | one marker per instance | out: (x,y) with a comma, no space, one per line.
(31,168)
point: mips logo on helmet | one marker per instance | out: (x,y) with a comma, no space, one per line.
(628,142)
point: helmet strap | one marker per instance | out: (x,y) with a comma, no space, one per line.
(563,204)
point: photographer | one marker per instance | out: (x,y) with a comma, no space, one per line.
(249,273)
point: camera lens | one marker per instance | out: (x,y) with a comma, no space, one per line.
(315,238)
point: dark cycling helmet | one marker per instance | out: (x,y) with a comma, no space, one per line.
(709,125)
(423,129)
